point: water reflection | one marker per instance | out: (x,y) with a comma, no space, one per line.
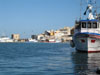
(85,63)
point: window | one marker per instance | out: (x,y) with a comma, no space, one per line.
(94,25)
(84,25)
(89,25)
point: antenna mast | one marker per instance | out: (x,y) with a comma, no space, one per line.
(81,10)
(96,8)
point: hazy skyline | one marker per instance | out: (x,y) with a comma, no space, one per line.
(28,17)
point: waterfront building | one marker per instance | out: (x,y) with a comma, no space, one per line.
(56,36)
(41,37)
(63,34)
(52,33)
(65,30)
(15,36)
(47,33)
(34,37)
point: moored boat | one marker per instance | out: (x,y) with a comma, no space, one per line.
(32,40)
(5,39)
(86,36)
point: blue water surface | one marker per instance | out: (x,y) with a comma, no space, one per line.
(45,59)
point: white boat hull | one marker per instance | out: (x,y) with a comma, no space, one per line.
(87,44)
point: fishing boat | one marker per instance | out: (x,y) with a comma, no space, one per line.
(86,37)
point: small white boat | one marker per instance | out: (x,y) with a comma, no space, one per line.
(5,39)
(32,40)
(52,41)
(58,41)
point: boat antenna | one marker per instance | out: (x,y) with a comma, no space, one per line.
(80,10)
(95,11)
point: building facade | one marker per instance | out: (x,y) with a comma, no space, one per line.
(15,36)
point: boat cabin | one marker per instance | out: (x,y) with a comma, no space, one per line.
(92,26)
(89,24)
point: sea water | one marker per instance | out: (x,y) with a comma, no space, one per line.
(46,59)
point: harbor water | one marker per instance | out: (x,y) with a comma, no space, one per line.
(46,59)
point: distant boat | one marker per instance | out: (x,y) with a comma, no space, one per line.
(58,41)
(5,39)
(32,40)
(52,41)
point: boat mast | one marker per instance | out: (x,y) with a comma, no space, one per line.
(95,11)
(81,10)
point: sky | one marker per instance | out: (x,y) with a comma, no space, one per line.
(27,17)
